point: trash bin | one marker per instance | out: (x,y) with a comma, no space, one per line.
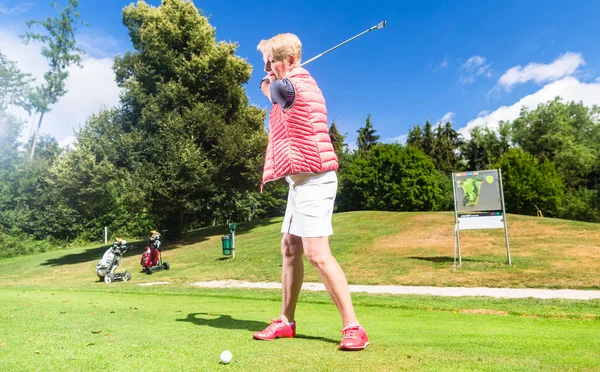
(226,243)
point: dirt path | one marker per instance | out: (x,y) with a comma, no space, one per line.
(429,291)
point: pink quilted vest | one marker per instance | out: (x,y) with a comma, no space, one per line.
(299,138)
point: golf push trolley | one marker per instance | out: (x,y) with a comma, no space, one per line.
(110,262)
(152,257)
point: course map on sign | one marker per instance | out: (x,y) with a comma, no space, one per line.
(477,191)
(472,189)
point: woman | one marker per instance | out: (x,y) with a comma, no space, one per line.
(300,150)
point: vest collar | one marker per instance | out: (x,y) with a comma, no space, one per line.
(296,70)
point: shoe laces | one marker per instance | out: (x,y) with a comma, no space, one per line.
(274,324)
(351,331)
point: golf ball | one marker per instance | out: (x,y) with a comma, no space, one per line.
(226,357)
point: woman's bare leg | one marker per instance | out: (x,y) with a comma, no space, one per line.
(318,253)
(292,275)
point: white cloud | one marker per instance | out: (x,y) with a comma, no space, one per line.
(19,8)
(69,141)
(474,63)
(467,80)
(352,146)
(565,65)
(444,62)
(97,43)
(439,66)
(400,139)
(475,66)
(90,88)
(447,117)
(568,88)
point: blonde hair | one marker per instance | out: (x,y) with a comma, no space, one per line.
(282,46)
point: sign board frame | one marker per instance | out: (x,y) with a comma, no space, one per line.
(478,209)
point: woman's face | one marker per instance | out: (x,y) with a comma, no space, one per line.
(279,68)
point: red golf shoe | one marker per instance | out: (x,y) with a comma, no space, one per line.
(277,329)
(354,338)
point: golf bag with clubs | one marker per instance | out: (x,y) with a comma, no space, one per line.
(111,261)
(152,257)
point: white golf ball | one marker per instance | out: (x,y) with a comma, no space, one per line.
(226,357)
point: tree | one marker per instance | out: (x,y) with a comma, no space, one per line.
(428,138)
(14,84)
(445,149)
(31,207)
(391,178)
(415,137)
(203,146)
(10,161)
(102,180)
(337,139)
(60,50)
(485,146)
(14,87)
(527,183)
(366,136)
(568,134)
(582,204)
(99,194)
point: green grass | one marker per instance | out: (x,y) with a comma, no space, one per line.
(57,316)
(372,247)
(133,328)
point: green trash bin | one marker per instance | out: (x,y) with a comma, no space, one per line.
(226,243)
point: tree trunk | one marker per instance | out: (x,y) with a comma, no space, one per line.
(32,125)
(35,136)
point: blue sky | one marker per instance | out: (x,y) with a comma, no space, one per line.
(474,62)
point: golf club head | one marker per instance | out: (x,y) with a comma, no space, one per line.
(380,25)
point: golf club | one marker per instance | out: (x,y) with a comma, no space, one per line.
(378,26)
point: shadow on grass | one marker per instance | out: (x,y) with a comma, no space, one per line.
(447,259)
(324,339)
(224,321)
(192,237)
(93,254)
(242,228)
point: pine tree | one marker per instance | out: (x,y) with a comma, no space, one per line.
(366,137)
(337,139)
(415,137)
(428,138)
(445,148)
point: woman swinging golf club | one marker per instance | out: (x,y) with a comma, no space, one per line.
(300,150)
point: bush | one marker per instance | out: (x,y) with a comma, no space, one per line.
(527,183)
(579,205)
(11,246)
(391,177)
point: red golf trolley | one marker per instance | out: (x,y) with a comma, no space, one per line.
(152,258)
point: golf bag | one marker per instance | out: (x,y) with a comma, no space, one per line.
(110,262)
(151,258)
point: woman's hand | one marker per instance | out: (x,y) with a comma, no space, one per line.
(265,85)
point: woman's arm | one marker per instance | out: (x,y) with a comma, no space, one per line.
(282,92)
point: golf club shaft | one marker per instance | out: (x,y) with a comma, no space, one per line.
(376,27)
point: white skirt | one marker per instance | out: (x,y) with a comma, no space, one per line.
(310,204)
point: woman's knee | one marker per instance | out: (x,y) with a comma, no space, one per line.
(318,256)
(291,246)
